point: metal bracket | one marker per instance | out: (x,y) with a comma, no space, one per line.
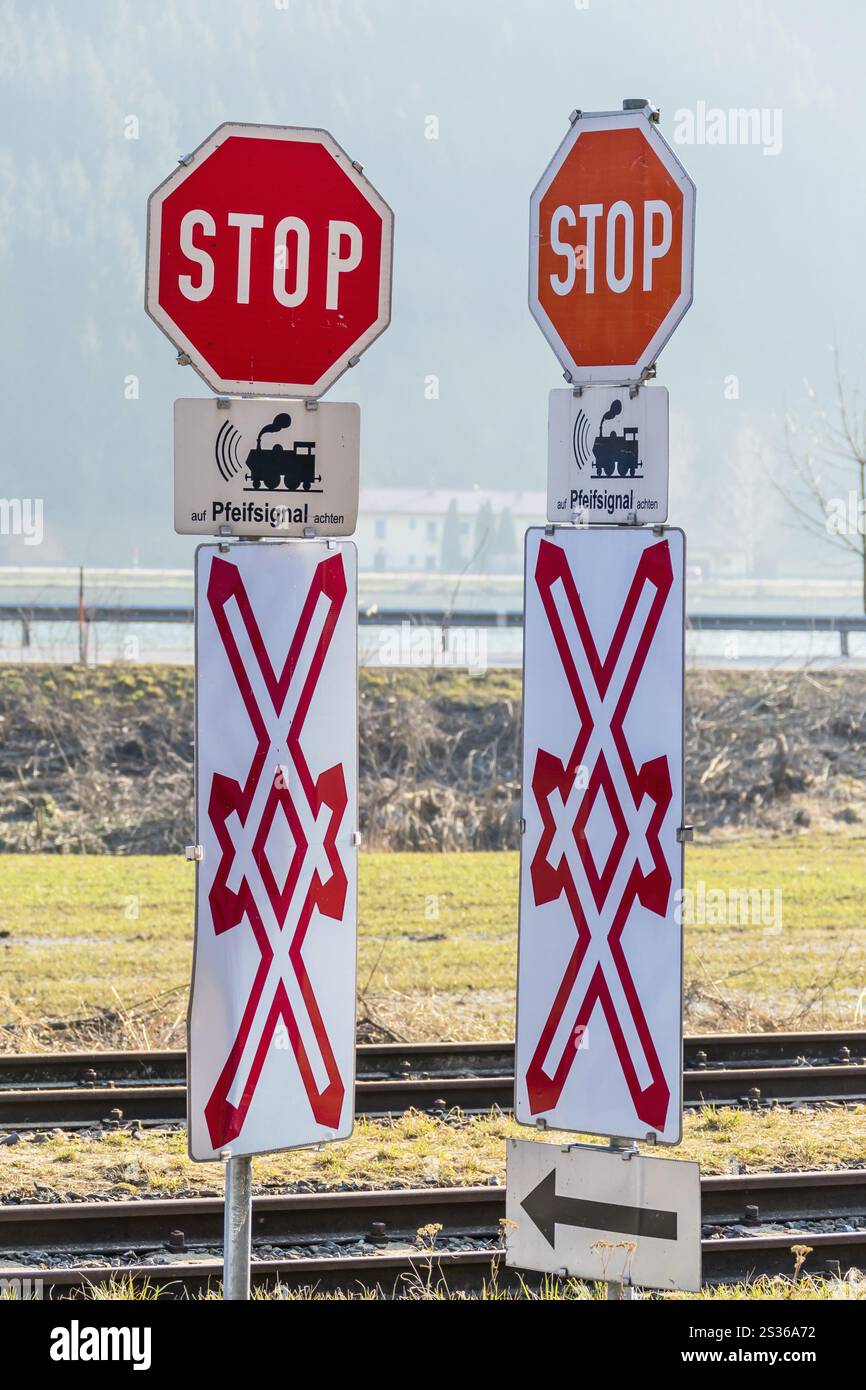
(223,403)
(685,834)
(184,359)
(353,361)
(575,116)
(184,159)
(356,839)
(523,825)
(658,530)
(642,104)
(311,404)
(356,165)
(626,1148)
(309,533)
(194,853)
(549,529)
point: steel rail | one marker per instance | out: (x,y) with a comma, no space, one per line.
(729,1260)
(165,1104)
(703,1051)
(390,1221)
(311,1218)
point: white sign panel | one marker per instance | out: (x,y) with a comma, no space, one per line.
(266,468)
(599,998)
(597,1214)
(607,455)
(272,1013)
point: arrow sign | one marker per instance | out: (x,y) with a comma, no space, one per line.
(595,1213)
(549,1209)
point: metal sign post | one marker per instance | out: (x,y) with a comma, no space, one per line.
(238,1226)
(621,1290)
(269,260)
(599,988)
(271,1028)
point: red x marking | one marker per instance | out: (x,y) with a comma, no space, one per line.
(233,809)
(652,780)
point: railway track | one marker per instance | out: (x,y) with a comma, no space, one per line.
(73,1090)
(369,1239)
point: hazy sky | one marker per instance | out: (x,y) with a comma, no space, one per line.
(779,242)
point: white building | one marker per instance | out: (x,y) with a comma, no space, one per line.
(442,530)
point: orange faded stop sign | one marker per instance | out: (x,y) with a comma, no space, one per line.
(611,247)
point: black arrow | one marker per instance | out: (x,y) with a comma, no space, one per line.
(548,1209)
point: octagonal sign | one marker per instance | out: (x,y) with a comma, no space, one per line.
(611,247)
(269,260)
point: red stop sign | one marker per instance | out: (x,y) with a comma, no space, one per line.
(269,260)
(611,247)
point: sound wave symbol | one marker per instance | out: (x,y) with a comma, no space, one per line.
(226,451)
(580,440)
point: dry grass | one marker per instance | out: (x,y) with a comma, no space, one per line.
(412,1150)
(96,759)
(425,1286)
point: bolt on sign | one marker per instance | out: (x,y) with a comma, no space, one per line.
(599,994)
(272,1010)
(266,468)
(269,260)
(611,247)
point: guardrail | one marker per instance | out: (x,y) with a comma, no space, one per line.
(779,622)
(84,615)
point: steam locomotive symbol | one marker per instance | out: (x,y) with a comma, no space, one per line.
(294,467)
(611,452)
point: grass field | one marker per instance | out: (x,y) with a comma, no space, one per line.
(84,934)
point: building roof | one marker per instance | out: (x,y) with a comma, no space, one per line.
(417,501)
